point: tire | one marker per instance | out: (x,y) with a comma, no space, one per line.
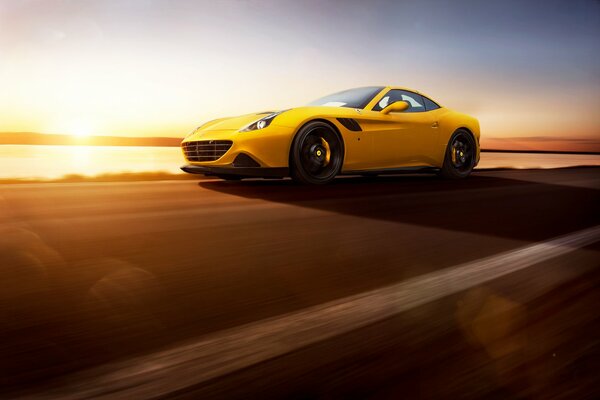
(317,154)
(459,160)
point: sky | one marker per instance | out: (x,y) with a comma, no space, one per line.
(525,69)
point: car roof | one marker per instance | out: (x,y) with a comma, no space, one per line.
(403,88)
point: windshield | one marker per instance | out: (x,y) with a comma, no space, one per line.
(352,98)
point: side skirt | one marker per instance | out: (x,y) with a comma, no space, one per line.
(393,171)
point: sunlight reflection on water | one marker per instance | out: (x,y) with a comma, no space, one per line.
(49,162)
(38,161)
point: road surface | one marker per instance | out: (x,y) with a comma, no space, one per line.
(403,286)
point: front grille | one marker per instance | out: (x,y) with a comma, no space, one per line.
(205,150)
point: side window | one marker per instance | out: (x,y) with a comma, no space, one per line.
(430,104)
(414,100)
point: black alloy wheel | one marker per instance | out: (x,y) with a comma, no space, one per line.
(317,154)
(460,156)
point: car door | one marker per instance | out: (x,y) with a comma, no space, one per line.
(401,139)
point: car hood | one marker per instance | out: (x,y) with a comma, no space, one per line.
(233,123)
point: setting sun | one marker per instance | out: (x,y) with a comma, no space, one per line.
(80,129)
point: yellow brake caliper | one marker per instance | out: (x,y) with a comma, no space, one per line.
(327,151)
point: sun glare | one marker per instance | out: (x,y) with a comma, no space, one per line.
(80,129)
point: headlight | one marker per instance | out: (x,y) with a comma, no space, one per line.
(260,123)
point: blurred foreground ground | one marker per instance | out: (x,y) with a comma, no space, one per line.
(96,274)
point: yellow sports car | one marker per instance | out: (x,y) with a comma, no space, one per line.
(363,131)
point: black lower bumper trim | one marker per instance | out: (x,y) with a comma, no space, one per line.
(257,172)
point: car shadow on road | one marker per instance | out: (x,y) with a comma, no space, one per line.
(480,204)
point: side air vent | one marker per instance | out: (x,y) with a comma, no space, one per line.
(245,161)
(350,124)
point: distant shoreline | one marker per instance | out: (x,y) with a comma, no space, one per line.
(43,139)
(590,153)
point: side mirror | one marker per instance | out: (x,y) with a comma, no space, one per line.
(397,106)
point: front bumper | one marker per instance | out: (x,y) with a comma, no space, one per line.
(269,147)
(230,170)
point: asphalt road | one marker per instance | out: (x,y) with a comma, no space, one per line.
(403,286)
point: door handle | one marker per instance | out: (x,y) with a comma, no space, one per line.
(435,124)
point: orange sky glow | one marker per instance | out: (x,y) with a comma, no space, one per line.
(158,68)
